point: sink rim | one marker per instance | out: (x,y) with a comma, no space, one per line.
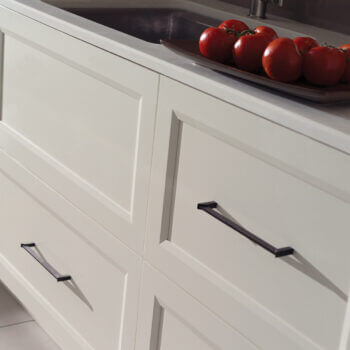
(167,22)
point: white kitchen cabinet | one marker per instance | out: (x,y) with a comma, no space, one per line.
(97,152)
(82,120)
(96,308)
(283,187)
(170,319)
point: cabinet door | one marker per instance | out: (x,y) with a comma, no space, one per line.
(97,307)
(170,319)
(81,119)
(266,180)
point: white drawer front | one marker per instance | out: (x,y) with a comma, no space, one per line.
(277,208)
(88,124)
(100,301)
(91,116)
(306,293)
(170,320)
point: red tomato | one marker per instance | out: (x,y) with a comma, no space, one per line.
(248,50)
(216,44)
(324,65)
(235,25)
(282,60)
(305,43)
(346,76)
(267,31)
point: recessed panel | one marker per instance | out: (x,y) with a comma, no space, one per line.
(92,302)
(277,208)
(84,120)
(170,319)
(177,335)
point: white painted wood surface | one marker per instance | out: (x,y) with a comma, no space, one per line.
(98,307)
(279,209)
(218,152)
(76,143)
(170,319)
(90,115)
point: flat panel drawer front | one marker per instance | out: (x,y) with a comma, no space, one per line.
(91,116)
(170,319)
(99,301)
(307,292)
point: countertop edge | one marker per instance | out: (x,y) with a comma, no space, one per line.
(296,116)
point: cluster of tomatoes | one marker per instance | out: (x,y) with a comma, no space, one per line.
(283,59)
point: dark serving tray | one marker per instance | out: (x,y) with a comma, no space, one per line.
(332,94)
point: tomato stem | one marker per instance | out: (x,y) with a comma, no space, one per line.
(230,30)
(246,32)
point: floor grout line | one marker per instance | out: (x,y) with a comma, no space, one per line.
(16,324)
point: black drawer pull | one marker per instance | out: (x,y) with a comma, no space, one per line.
(60,278)
(277,252)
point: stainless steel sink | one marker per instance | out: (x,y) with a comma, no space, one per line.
(149,24)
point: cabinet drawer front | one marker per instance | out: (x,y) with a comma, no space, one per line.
(91,113)
(308,291)
(279,209)
(99,302)
(170,320)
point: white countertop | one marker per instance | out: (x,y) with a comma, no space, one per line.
(327,124)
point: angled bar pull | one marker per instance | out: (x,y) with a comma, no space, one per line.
(59,278)
(209,208)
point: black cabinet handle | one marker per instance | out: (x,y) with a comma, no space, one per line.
(59,278)
(277,252)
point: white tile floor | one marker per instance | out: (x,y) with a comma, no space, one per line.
(18,330)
